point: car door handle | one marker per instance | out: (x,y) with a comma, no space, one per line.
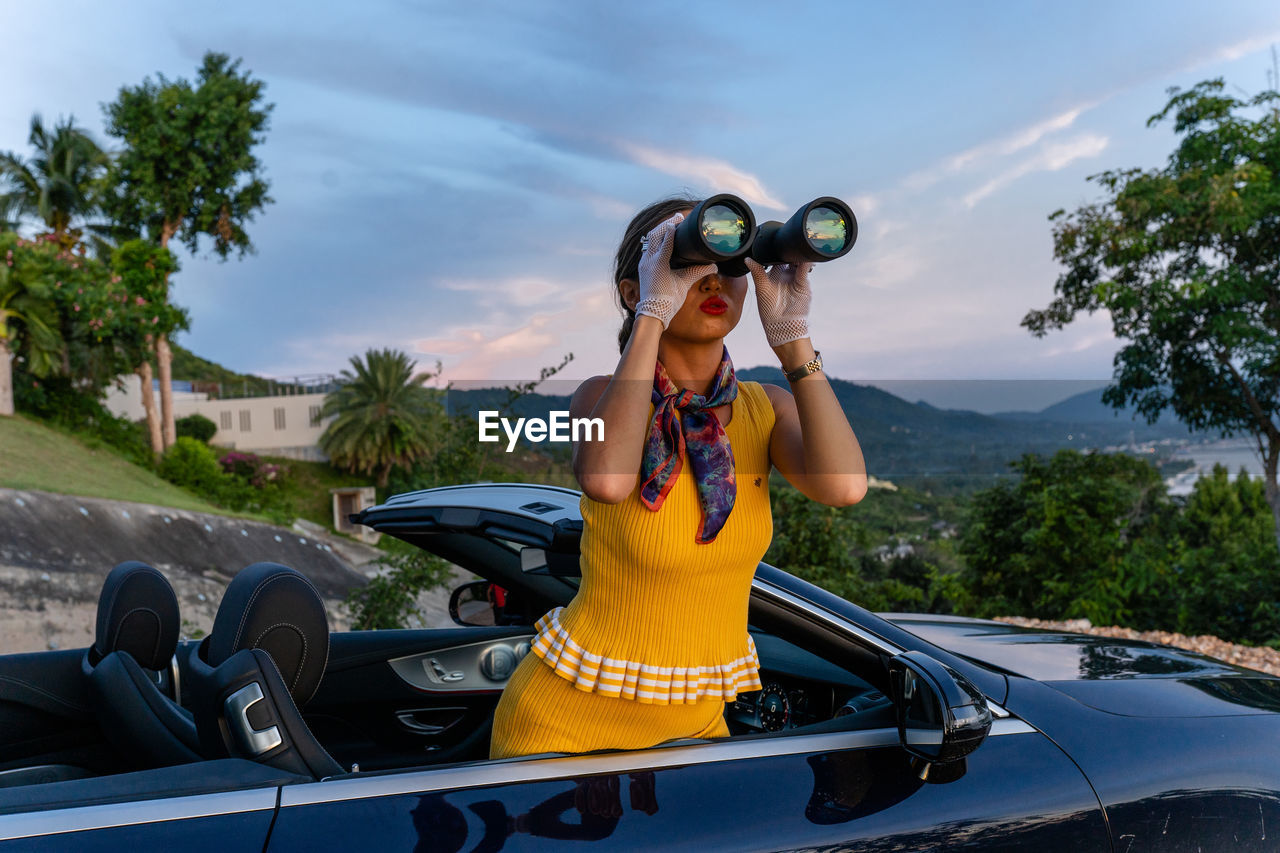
(414,722)
(252,741)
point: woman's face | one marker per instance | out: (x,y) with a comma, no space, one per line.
(711,309)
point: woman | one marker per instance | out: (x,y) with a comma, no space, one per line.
(675,506)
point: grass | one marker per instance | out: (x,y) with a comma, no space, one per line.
(35,456)
(307,486)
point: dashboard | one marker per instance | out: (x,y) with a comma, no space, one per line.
(799,688)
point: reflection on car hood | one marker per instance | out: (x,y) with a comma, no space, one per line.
(1128,677)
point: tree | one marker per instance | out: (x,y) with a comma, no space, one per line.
(1079,535)
(383,416)
(188,169)
(28,323)
(1229,568)
(134,310)
(60,184)
(1186,258)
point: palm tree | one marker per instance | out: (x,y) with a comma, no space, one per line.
(59,184)
(25,314)
(383,416)
(10,212)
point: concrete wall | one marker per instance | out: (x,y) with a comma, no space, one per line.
(278,426)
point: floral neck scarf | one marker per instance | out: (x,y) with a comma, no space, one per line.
(684,424)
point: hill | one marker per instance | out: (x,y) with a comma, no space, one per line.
(916,443)
(191,367)
(1088,408)
(928,447)
(39,457)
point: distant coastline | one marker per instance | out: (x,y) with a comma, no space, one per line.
(1232,453)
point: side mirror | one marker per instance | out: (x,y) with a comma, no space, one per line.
(472,604)
(942,716)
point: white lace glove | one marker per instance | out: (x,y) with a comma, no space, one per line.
(782,295)
(662,289)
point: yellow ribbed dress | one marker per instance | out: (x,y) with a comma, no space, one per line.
(655,641)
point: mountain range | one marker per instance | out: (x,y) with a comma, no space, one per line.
(944,449)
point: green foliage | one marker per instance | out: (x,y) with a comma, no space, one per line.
(75,324)
(61,401)
(389,599)
(1183,258)
(60,184)
(383,416)
(188,365)
(194,465)
(1095,537)
(1229,569)
(29,321)
(826,546)
(187,167)
(240,482)
(811,536)
(196,426)
(136,300)
(1070,539)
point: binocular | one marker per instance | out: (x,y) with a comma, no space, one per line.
(722,230)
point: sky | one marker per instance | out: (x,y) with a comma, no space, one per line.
(452,179)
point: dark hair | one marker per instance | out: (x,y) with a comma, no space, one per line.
(626,264)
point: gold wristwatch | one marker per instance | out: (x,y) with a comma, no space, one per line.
(811,366)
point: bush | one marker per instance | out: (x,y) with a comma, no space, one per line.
(389,600)
(193,465)
(58,401)
(196,426)
(1229,570)
(252,469)
(1080,535)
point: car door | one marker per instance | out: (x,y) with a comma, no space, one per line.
(401,698)
(755,793)
(221,806)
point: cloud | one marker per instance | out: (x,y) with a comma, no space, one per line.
(865,204)
(305,354)
(997,148)
(520,291)
(1233,51)
(1085,334)
(706,171)
(1051,158)
(497,349)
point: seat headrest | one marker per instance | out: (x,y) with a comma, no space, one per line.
(138,614)
(274,608)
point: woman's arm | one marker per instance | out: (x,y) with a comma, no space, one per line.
(812,444)
(607,470)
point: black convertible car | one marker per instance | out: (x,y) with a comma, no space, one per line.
(889,732)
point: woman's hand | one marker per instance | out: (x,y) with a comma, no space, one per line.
(782,295)
(662,289)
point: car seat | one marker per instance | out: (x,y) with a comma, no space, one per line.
(263,661)
(135,640)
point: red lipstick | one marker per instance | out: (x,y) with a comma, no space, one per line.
(714,305)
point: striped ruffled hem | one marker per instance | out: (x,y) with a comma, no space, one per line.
(657,685)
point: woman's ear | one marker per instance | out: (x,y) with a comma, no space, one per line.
(629,289)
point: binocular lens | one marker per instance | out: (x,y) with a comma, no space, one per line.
(723,228)
(826,230)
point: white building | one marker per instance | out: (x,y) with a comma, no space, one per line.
(283,425)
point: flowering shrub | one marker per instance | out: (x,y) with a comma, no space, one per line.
(251,469)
